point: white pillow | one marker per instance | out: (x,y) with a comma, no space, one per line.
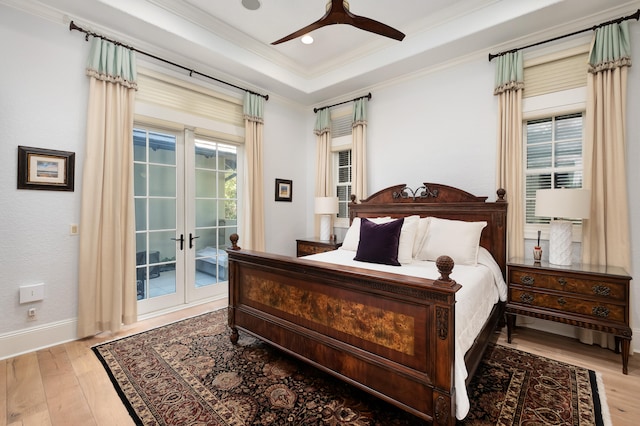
(423,226)
(455,238)
(407,239)
(352,237)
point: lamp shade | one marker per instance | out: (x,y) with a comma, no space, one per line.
(563,203)
(326,205)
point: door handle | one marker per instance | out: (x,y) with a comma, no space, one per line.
(181,239)
(191,238)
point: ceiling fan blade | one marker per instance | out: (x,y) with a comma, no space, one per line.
(376,27)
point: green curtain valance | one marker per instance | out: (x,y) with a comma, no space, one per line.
(509,72)
(359,112)
(110,62)
(323,122)
(611,48)
(253,108)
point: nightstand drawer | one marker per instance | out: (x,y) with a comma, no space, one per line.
(564,303)
(305,249)
(308,246)
(607,290)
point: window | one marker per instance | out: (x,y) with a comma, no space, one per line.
(343,187)
(553,150)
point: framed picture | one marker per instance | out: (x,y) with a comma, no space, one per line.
(46,169)
(284,190)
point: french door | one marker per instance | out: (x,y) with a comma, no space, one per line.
(186,208)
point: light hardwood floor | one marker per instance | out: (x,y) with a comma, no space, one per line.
(67,385)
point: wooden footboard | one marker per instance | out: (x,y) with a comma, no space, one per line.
(390,335)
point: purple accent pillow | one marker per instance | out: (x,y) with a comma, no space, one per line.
(379,242)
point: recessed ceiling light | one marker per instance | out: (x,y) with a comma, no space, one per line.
(251,4)
(306,39)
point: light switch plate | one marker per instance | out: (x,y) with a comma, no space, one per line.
(31,293)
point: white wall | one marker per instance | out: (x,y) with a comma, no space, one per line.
(285,157)
(439,126)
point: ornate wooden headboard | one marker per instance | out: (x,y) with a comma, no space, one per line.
(446,202)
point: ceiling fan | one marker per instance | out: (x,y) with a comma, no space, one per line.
(338,13)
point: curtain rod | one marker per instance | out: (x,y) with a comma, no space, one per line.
(368,96)
(73,26)
(635,16)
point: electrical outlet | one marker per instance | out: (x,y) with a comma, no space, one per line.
(73,229)
(31,313)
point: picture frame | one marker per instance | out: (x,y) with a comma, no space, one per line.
(284,190)
(45,169)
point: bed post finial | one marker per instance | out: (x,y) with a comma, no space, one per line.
(501,193)
(445,267)
(234,241)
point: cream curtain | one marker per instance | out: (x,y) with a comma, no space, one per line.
(107,258)
(359,151)
(509,85)
(253,210)
(324,181)
(605,235)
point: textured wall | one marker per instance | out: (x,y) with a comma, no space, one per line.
(43,103)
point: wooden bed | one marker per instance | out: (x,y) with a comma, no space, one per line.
(291,303)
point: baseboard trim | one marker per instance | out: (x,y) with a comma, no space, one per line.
(36,338)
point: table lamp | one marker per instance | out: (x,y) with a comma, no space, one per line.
(560,205)
(325,207)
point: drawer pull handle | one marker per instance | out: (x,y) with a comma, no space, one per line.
(561,301)
(600,311)
(526,298)
(527,280)
(601,290)
(562,281)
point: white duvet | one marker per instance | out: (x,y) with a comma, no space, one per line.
(482,287)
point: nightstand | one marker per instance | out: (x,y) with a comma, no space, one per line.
(589,296)
(307,246)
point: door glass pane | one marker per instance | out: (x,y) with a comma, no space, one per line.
(206,213)
(164,213)
(162,149)
(140,179)
(162,181)
(141,213)
(206,183)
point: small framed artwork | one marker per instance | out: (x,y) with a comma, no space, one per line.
(46,169)
(284,190)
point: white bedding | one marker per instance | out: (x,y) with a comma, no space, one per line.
(482,287)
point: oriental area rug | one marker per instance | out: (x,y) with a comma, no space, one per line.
(189,373)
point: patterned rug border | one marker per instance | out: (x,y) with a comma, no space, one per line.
(598,391)
(597,383)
